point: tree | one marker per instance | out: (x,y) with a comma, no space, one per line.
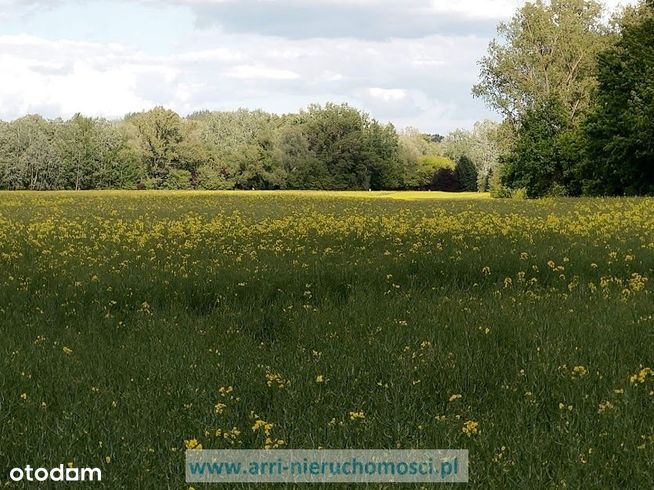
(482,147)
(548,50)
(427,167)
(159,135)
(357,152)
(414,154)
(620,130)
(383,150)
(94,154)
(28,155)
(546,155)
(78,149)
(466,174)
(304,170)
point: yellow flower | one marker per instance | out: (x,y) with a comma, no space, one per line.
(470,428)
(579,371)
(455,397)
(637,282)
(225,390)
(563,406)
(230,436)
(192,444)
(276,379)
(641,377)
(219,408)
(67,350)
(271,443)
(262,424)
(320,379)
(107,459)
(23,396)
(357,415)
(605,407)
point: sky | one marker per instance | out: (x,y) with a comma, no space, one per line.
(409,62)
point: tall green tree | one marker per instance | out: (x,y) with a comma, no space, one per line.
(29,158)
(159,132)
(620,130)
(546,155)
(357,151)
(548,50)
(466,174)
(304,170)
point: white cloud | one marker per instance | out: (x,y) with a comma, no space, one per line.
(254,72)
(391,79)
(411,73)
(387,95)
(62,78)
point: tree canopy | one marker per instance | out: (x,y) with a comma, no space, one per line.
(323,147)
(577,96)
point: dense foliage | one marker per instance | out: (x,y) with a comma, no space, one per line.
(335,147)
(620,129)
(331,147)
(578,99)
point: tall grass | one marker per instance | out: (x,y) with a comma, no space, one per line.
(126,318)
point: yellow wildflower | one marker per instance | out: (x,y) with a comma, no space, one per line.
(470,428)
(192,444)
(359,415)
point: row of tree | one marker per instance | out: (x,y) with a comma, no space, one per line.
(577,95)
(331,147)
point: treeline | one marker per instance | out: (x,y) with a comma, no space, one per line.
(577,95)
(333,147)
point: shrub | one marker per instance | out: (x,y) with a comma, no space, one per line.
(519,194)
(212,180)
(178,179)
(495,186)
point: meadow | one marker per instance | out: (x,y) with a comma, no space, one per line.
(136,324)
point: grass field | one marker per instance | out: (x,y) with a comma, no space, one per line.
(133,323)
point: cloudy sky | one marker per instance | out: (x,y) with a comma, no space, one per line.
(411,62)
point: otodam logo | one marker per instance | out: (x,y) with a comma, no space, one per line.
(57,474)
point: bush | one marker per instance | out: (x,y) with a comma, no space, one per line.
(152,183)
(213,180)
(519,194)
(495,186)
(178,180)
(557,190)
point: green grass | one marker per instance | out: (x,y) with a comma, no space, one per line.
(164,298)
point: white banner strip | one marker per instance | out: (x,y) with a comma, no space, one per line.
(327,466)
